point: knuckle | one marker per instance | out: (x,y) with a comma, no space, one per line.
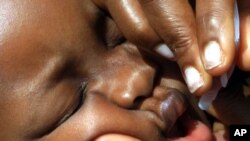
(212,18)
(182,42)
(182,38)
(180,33)
(182,45)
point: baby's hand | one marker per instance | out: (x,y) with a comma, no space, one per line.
(202,42)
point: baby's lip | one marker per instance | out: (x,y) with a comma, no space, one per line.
(172,108)
(161,111)
(168,105)
(157,113)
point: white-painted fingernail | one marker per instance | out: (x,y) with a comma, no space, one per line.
(193,79)
(224,80)
(213,56)
(236,24)
(165,51)
(203,104)
(207,99)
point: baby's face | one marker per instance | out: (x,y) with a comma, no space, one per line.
(66,74)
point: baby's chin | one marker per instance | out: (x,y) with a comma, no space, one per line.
(195,131)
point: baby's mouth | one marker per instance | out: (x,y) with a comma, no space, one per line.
(175,123)
(181,125)
(178,122)
(174,105)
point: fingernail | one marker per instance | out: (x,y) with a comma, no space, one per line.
(193,79)
(213,57)
(165,51)
(236,24)
(224,80)
(207,99)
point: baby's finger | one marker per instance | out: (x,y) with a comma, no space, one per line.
(215,26)
(244,51)
(131,20)
(175,23)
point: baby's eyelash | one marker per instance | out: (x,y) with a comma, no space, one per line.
(115,42)
(82,95)
(83,91)
(83,85)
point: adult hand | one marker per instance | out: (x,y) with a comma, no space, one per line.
(156,25)
(244,51)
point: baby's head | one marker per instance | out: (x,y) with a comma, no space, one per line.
(67,74)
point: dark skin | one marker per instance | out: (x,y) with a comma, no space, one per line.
(60,81)
(194,26)
(196,31)
(62,78)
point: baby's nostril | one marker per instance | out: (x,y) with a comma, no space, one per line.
(138,101)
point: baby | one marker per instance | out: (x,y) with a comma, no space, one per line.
(67,73)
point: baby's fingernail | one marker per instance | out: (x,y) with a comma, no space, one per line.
(213,56)
(165,51)
(224,80)
(193,79)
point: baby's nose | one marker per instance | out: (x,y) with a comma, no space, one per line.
(132,87)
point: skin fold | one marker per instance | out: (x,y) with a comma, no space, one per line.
(67,73)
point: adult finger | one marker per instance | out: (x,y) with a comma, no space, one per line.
(174,22)
(215,26)
(131,20)
(244,51)
(175,27)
